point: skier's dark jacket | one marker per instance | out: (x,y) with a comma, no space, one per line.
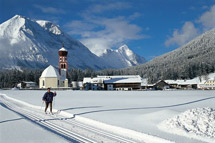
(48,96)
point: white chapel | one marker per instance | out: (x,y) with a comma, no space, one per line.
(53,78)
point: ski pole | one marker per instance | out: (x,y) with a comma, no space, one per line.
(54,101)
(41,105)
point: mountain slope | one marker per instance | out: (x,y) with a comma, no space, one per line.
(195,58)
(35,44)
(25,43)
(122,57)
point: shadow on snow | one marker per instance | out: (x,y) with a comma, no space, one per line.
(124,109)
(143,108)
(11,120)
(80,108)
(43,126)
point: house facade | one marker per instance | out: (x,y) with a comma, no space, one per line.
(183,84)
(77,85)
(208,84)
(95,83)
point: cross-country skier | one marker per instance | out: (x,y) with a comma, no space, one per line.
(48,98)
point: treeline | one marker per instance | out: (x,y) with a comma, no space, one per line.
(10,78)
(174,71)
(153,72)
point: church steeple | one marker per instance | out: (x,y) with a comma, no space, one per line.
(63,61)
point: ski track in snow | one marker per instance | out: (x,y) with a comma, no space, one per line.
(74,128)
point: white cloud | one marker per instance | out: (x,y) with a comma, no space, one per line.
(208,19)
(108,6)
(50,10)
(189,31)
(99,33)
(180,37)
(78,27)
(97,45)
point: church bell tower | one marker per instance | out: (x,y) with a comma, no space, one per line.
(63,62)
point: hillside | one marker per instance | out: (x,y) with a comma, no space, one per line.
(191,60)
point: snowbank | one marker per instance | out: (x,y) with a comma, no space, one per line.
(198,123)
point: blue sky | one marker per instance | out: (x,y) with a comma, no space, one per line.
(149,27)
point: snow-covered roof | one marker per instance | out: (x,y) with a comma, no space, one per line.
(50,71)
(182,82)
(92,80)
(114,79)
(124,79)
(62,49)
(120,76)
(29,82)
(144,82)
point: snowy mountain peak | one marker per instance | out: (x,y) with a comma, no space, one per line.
(47,25)
(122,57)
(14,24)
(125,50)
(124,47)
(18,16)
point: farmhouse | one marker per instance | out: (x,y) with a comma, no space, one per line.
(183,84)
(161,85)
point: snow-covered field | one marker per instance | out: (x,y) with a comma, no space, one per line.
(144,116)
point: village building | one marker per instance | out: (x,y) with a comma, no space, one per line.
(121,82)
(208,84)
(77,85)
(170,84)
(51,77)
(145,85)
(26,84)
(161,85)
(95,83)
(183,84)
(124,82)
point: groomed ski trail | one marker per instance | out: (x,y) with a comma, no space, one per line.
(67,127)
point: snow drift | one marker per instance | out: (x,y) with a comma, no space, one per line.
(198,123)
